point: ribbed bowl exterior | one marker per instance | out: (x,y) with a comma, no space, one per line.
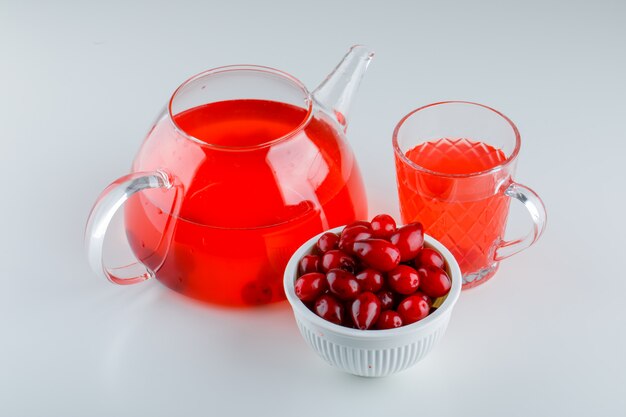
(382,361)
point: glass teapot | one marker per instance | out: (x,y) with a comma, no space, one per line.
(242,166)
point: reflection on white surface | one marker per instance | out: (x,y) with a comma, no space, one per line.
(162,333)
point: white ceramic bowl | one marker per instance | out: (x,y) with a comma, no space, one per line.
(372,353)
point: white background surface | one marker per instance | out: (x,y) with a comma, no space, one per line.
(81,82)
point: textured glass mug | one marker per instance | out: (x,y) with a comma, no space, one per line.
(466,212)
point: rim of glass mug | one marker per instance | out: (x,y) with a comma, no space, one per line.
(509,159)
(307,104)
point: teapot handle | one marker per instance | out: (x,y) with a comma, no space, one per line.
(105,207)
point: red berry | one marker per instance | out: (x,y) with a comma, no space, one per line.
(337,259)
(309,263)
(376,253)
(358,223)
(343,284)
(310,286)
(383,226)
(425,297)
(365,310)
(387,299)
(370,279)
(403,279)
(409,239)
(328,241)
(428,256)
(388,320)
(412,309)
(434,282)
(347,317)
(328,308)
(354,234)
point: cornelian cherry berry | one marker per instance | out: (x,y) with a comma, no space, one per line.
(364,223)
(354,234)
(383,226)
(397,280)
(309,263)
(403,279)
(388,320)
(328,241)
(343,284)
(425,297)
(429,256)
(347,317)
(370,279)
(434,281)
(365,310)
(412,309)
(310,286)
(409,240)
(387,299)
(328,308)
(376,253)
(337,259)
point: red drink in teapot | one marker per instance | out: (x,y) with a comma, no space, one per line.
(240,169)
(237,228)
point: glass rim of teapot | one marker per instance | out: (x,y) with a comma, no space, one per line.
(308,102)
(504,164)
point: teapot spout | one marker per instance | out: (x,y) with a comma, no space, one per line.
(336,93)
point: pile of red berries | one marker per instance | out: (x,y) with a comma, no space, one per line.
(372,275)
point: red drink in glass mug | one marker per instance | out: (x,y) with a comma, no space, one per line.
(455,163)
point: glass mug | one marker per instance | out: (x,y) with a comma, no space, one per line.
(455,163)
(241,167)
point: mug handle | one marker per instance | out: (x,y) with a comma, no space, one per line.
(537,212)
(105,207)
